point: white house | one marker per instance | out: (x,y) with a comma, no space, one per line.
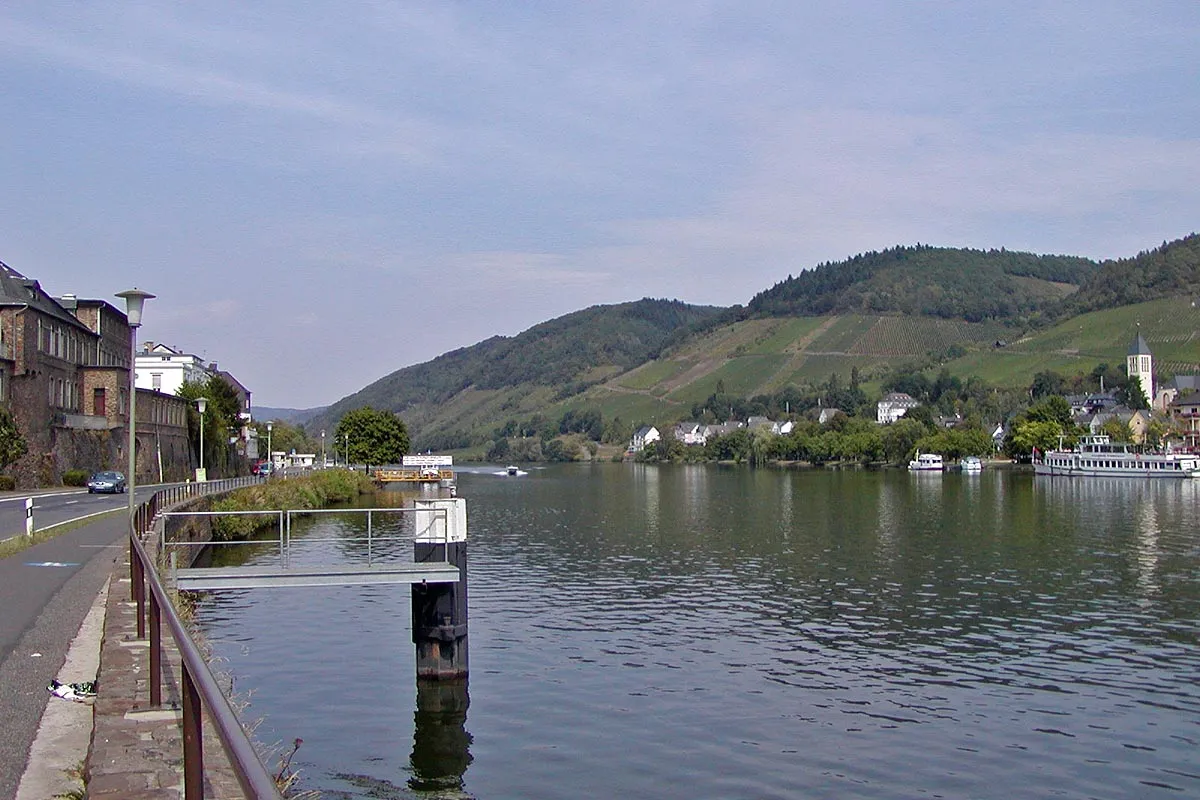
(755,423)
(691,433)
(827,415)
(893,406)
(165,369)
(647,434)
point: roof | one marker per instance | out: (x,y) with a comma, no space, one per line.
(1184,383)
(900,398)
(232,381)
(17,290)
(1139,347)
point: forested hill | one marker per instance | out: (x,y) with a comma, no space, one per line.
(950,283)
(569,352)
(1170,270)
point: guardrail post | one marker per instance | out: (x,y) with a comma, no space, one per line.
(137,588)
(155,676)
(193,745)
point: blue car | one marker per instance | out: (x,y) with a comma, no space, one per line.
(106,482)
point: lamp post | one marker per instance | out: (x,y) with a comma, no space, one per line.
(322,449)
(134,299)
(347,450)
(201,404)
(270,457)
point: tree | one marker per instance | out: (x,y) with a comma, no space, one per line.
(1053,409)
(12,443)
(222,417)
(1028,434)
(1116,430)
(375,437)
(1046,384)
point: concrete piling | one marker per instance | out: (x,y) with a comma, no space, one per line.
(439,611)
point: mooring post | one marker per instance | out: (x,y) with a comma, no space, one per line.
(439,610)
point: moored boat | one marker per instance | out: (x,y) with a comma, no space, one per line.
(927,462)
(971,464)
(1098,456)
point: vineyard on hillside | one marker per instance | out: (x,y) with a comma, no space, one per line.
(911,336)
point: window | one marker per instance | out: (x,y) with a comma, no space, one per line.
(156,381)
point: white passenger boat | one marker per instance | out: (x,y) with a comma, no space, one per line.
(1097,456)
(927,462)
(971,464)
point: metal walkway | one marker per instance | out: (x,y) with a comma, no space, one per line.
(208,578)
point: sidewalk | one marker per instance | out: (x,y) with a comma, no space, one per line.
(135,752)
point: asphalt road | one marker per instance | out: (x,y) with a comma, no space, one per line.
(45,592)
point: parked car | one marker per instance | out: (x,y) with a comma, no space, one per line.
(262,468)
(106,482)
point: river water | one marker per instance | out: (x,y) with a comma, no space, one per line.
(706,632)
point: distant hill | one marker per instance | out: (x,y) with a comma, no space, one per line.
(1171,270)
(999,315)
(948,283)
(566,355)
(292,416)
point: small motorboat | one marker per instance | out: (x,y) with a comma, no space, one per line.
(972,464)
(927,462)
(511,470)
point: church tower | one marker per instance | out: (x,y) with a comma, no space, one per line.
(1139,365)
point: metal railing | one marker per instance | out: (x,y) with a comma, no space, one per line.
(283,538)
(200,690)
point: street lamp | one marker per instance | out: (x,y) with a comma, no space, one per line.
(134,299)
(201,404)
(347,450)
(270,457)
(322,449)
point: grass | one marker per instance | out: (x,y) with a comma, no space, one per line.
(312,491)
(18,543)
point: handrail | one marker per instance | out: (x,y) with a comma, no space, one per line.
(200,688)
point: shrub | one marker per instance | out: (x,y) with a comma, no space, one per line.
(315,490)
(7,483)
(75,477)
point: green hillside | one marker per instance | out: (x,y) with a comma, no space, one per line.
(950,283)
(1171,327)
(654,361)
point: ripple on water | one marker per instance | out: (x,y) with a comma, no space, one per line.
(712,658)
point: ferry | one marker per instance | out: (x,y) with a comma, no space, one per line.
(1097,456)
(927,462)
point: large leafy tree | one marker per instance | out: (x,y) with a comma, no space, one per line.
(372,436)
(222,416)
(12,443)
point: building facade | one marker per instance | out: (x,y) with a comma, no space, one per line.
(64,376)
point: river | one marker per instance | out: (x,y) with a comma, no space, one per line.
(708,632)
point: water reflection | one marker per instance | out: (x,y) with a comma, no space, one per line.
(441,744)
(807,634)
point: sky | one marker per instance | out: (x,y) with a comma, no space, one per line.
(321,193)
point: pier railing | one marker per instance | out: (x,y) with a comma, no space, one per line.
(200,690)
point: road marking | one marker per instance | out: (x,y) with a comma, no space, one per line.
(52,563)
(70,502)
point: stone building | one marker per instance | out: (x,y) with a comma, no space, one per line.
(64,375)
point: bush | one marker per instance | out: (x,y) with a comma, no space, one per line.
(7,483)
(315,490)
(75,477)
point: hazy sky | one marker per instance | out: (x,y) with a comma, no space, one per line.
(323,192)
